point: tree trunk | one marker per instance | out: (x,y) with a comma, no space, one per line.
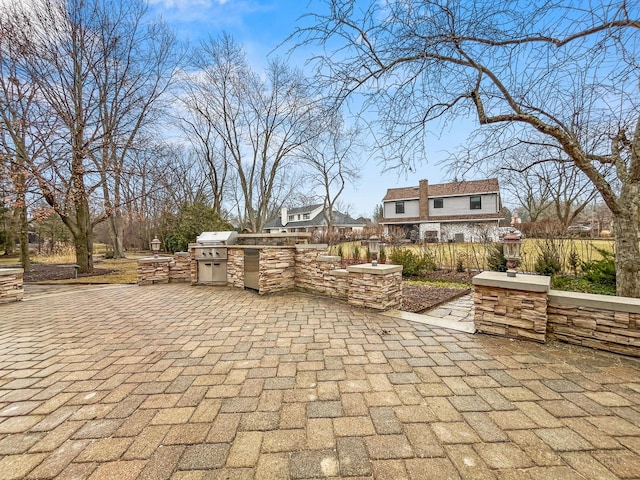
(627,232)
(25,261)
(116,234)
(83,236)
(9,241)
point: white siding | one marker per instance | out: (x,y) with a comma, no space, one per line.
(411,209)
(460,205)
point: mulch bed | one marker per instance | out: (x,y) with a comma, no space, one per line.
(420,298)
(41,272)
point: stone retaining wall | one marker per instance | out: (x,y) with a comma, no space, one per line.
(11,285)
(597,321)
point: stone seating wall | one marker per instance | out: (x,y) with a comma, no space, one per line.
(526,308)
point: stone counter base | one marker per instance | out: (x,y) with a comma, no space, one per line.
(11,285)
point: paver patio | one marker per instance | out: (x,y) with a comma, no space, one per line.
(181,382)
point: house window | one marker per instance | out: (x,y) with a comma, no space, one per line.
(438,202)
(292,218)
(399,207)
(298,217)
(306,216)
(475,203)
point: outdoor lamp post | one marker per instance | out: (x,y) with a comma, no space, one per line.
(374,248)
(155,247)
(511,244)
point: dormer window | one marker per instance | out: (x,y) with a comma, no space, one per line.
(292,218)
(438,202)
(399,207)
(306,216)
(475,202)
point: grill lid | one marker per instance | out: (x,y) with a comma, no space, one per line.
(217,238)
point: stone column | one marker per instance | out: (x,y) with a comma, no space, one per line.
(153,270)
(514,307)
(11,285)
(378,287)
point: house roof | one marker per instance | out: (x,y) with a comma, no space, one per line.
(465,187)
(306,209)
(339,219)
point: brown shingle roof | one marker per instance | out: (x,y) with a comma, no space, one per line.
(401,193)
(466,187)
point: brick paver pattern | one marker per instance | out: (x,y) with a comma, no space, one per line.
(181,382)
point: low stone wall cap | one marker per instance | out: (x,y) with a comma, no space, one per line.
(522,281)
(597,302)
(155,260)
(10,271)
(380,269)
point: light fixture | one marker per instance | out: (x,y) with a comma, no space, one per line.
(511,244)
(155,247)
(374,248)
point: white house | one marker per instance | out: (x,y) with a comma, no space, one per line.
(467,211)
(311,219)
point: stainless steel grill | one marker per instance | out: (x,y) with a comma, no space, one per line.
(211,256)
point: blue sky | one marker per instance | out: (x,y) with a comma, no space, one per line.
(260,26)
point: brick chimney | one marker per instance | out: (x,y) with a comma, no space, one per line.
(424,199)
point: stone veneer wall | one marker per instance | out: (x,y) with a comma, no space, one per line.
(511,313)
(235,267)
(153,270)
(277,270)
(11,285)
(514,307)
(524,307)
(596,321)
(319,273)
(180,268)
(308,268)
(377,287)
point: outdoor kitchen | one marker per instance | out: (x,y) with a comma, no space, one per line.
(263,263)
(275,262)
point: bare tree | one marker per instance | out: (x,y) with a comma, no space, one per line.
(332,162)
(135,68)
(97,70)
(18,143)
(544,181)
(260,122)
(557,70)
